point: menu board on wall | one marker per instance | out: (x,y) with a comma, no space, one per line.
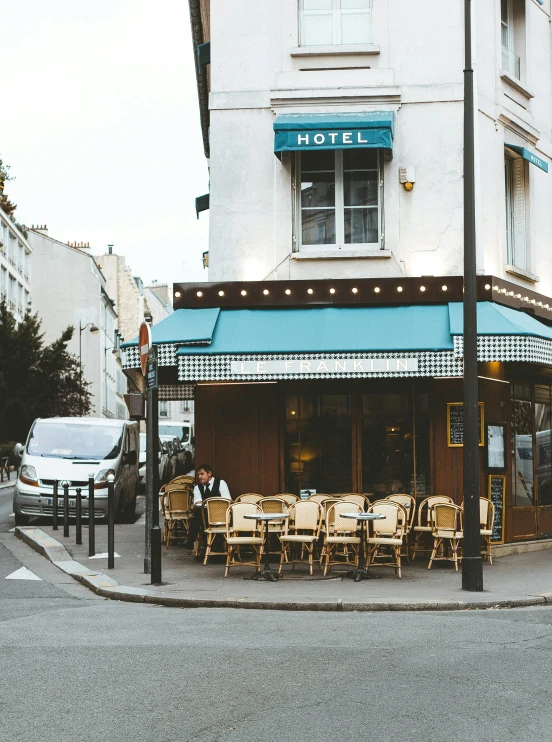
(496,447)
(496,493)
(455,424)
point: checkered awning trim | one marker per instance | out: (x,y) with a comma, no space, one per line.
(166,355)
(509,348)
(217,368)
(171,392)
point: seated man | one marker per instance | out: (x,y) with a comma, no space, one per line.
(209,486)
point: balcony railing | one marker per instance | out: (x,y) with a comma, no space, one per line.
(511,62)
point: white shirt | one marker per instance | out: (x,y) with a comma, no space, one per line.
(223,489)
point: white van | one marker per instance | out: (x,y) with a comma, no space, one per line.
(72,449)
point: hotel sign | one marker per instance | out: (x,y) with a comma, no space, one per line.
(324,366)
(332,139)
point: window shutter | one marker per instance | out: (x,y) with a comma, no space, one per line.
(519,241)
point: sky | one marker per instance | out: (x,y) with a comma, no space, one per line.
(99,121)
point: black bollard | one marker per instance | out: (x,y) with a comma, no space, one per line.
(65,510)
(78,516)
(91,521)
(55,507)
(110,522)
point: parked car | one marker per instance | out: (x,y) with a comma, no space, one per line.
(181,457)
(184,431)
(172,461)
(163,462)
(72,449)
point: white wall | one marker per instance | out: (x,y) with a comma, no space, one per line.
(414,68)
(68,291)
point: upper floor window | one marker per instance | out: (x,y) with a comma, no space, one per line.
(512,25)
(516,239)
(335,22)
(340,199)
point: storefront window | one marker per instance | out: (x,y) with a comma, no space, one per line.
(522,445)
(318,443)
(543,458)
(387,444)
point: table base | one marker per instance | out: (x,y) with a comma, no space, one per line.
(361,574)
(265,574)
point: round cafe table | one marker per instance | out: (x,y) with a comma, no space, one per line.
(266,573)
(361,573)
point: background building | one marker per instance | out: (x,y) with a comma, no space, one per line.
(15,252)
(73,291)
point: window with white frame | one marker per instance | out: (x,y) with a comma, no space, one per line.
(515,190)
(335,22)
(512,32)
(340,196)
(163,409)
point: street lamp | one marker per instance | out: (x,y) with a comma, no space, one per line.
(94,330)
(472,564)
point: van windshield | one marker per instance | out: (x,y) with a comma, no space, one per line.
(74,441)
(181,431)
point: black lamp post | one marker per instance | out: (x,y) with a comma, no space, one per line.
(94,330)
(472,564)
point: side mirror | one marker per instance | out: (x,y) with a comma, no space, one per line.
(18,450)
(193,440)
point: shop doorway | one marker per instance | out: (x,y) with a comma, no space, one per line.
(532,460)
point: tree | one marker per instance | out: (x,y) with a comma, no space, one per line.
(36,380)
(5,204)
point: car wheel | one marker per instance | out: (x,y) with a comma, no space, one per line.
(21,520)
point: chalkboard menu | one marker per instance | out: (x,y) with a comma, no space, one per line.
(496,493)
(455,424)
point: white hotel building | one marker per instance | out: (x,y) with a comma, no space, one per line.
(333,131)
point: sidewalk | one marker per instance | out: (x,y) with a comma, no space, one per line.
(511,581)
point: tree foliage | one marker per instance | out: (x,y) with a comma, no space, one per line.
(36,380)
(5,204)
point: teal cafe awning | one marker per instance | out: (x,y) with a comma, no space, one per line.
(317,131)
(529,156)
(498,320)
(214,344)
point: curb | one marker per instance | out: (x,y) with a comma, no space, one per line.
(106,587)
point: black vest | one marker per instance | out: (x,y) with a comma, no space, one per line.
(214,488)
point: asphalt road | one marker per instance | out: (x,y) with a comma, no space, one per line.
(77,668)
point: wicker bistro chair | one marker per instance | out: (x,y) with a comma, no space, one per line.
(341,543)
(244,532)
(303,531)
(364,502)
(423,522)
(387,536)
(409,504)
(214,510)
(486,520)
(289,498)
(249,497)
(178,514)
(274,505)
(318,498)
(446,525)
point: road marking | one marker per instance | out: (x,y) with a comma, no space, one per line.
(12,530)
(104,556)
(23,574)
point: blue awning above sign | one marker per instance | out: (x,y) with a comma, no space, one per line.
(529,156)
(317,131)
